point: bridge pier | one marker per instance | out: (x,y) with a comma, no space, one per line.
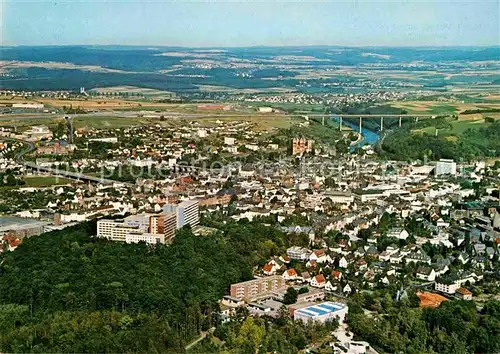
(400,121)
(381,123)
(416,119)
(360,124)
(340,123)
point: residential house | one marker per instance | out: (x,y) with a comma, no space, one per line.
(418,256)
(331,286)
(343,263)
(290,274)
(426,273)
(337,275)
(361,264)
(318,255)
(396,258)
(318,281)
(398,233)
(306,277)
(269,269)
(464,294)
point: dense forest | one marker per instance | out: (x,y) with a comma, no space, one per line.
(403,144)
(402,327)
(115,297)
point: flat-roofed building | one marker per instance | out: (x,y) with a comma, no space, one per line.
(339,197)
(187,212)
(21,227)
(325,311)
(154,228)
(165,224)
(136,237)
(115,230)
(296,252)
(252,288)
(445,167)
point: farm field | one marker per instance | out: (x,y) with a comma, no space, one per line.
(92,103)
(441,107)
(133,90)
(459,126)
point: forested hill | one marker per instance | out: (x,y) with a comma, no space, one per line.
(404,144)
(65,291)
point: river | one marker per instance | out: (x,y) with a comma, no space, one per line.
(369,136)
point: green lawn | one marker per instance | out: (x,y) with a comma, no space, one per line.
(45,181)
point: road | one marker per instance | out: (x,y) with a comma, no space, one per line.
(19,157)
(202,336)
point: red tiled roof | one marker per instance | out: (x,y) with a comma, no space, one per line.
(267,268)
(336,274)
(319,253)
(320,278)
(463,291)
(291,272)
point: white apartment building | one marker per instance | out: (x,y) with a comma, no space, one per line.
(115,230)
(450,284)
(136,237)
(150,228)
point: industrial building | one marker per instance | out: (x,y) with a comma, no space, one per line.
(325,311)
(21,227)
(445,167)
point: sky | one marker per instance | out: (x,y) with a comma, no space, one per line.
(249,23)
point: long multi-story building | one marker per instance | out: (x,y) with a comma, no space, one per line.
(187,212)
(115,230)
(252,288)
(150,228)
(136,237)
(165,224)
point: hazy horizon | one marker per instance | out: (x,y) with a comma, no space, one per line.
(223,24)
(153,47)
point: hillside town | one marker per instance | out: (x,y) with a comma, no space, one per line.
(429,228)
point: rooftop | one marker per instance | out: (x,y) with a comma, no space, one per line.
(321,309)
